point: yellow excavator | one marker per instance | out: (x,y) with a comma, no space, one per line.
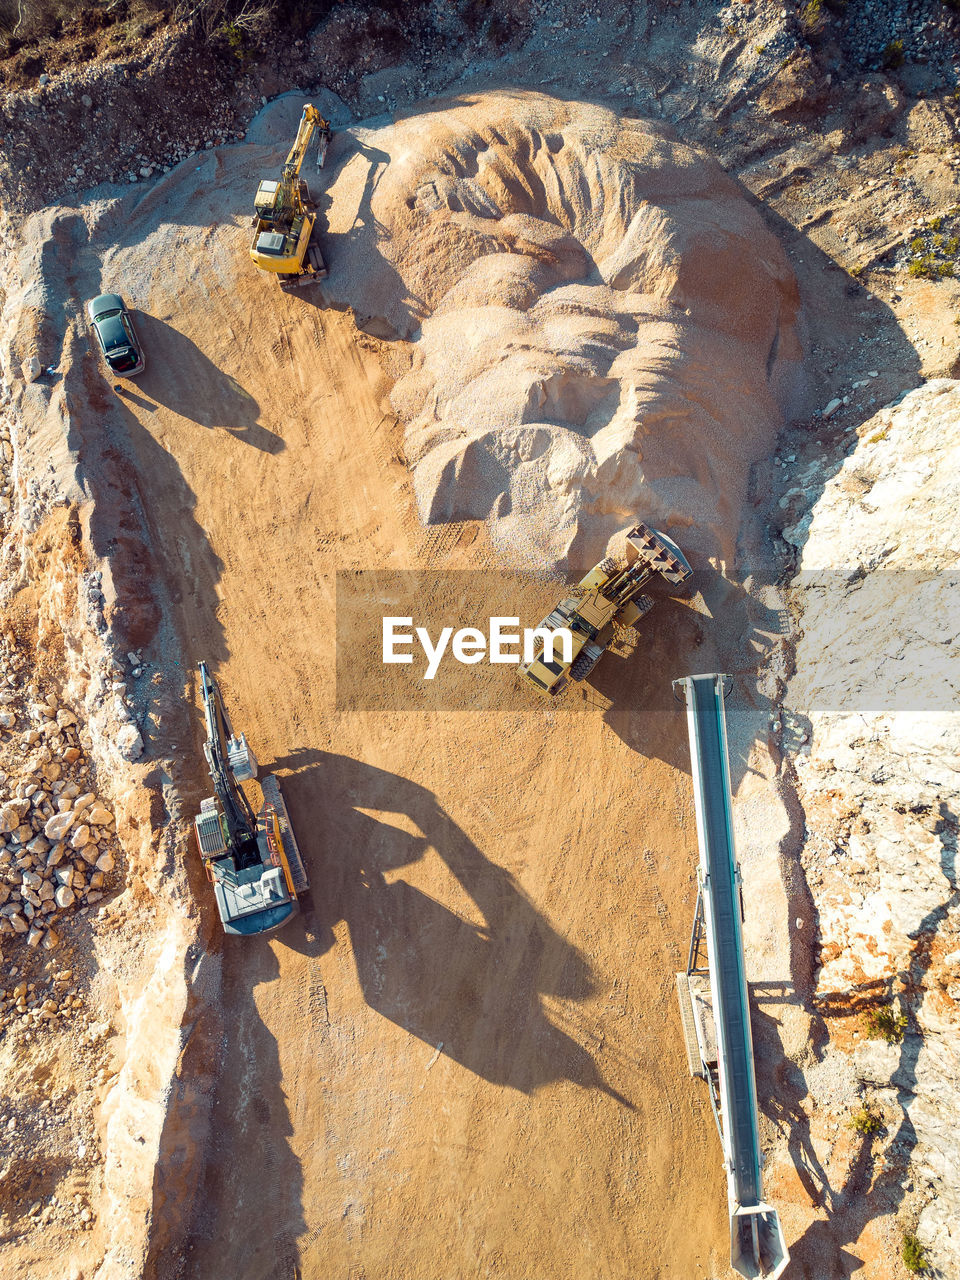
(284,237)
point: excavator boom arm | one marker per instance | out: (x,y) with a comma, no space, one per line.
(309,121)
(239,816)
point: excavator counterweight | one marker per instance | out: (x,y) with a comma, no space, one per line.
(284,238)
(252,860)
(610,594)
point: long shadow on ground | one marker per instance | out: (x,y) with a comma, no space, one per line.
(474,989)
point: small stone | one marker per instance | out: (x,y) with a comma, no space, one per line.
(11,815)
(832,408)
(65,718)
(58,826)
(105,862)
(38,845)
(871,373)
(86,100)
(99,816)
(65,897)
(34,937)
(129,743)
(80,837)
(7,719)
(90,853)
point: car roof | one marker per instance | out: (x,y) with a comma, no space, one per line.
(113,333)
(106,302)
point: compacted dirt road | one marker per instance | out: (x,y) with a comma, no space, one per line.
(468,1062)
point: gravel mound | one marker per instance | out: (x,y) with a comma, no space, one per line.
(599,322)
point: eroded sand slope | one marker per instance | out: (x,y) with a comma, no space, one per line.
(599,320)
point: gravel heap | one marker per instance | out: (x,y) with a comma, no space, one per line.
(600,322)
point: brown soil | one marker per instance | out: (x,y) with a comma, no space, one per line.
(471,1053)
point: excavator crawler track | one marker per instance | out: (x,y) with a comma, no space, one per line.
(272,796)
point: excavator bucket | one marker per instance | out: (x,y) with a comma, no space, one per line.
(323,143)
(658,551)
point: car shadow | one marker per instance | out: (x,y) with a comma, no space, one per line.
(473,992)
(181,378)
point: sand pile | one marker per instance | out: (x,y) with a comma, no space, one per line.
(599,322)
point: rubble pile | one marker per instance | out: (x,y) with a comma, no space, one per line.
(58,846)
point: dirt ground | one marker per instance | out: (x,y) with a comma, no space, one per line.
(470,1062)
(475,1068)
(467,1060)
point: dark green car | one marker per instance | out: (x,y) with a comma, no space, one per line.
(116,335)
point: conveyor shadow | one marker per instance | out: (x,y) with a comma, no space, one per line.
(473,991)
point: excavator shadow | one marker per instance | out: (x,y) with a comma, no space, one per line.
(475,991)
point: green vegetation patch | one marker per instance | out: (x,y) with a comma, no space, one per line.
(884,1024)
(932,253)
(866,1121)
(913,1254)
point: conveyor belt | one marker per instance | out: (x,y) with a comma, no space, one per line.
(756,1241)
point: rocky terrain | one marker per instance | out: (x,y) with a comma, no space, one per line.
(877,760)
(550,311)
